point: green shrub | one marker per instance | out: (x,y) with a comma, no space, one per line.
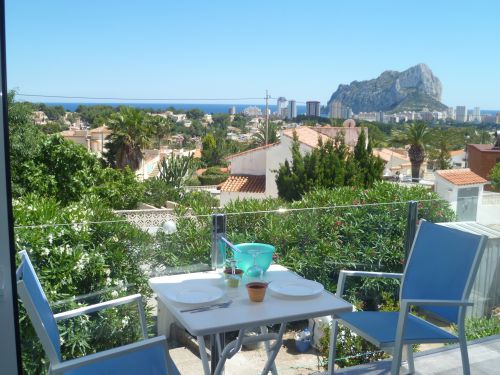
(351,349)
(157,192)
(214,171)
(193,181)
(318,243)
(213,179)
(476,328)
(73,259)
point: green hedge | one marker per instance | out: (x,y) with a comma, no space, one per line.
(318,243)
(213,179)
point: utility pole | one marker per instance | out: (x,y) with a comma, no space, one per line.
(267,117)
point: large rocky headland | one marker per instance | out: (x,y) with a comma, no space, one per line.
(413,89)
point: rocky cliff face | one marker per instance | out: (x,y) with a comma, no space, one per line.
(413,89)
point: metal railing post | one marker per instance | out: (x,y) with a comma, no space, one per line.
(218,230)
(218,257)
(411,227)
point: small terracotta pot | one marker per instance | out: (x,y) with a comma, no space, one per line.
(256,291)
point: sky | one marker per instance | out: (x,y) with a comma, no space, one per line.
(237,49)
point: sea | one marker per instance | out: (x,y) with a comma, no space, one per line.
(207,108)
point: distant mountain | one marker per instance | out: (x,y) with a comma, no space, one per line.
(414,89)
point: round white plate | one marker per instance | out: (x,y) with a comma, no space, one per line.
(296,288)
(192,295)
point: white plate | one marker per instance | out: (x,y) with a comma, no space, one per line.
(192,295)
(296,288)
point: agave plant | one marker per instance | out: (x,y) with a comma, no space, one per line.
(174,170)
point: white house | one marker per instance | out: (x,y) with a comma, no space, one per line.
(257,167)
(458,158)
(93,140)
(463,189)
(396,161)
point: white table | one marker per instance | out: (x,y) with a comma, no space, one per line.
(244,314)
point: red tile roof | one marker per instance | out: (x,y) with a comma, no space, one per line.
(306,135)
(252,150)
(244,184)
(457,152)
(484,147)
(461,176)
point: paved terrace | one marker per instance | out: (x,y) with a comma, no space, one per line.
(484,356)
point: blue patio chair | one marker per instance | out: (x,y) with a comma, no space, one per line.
(437,278)
(148,356)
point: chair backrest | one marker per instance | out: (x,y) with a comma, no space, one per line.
(442,265)
(37,306)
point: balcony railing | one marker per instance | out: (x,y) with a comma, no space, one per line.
(83,262)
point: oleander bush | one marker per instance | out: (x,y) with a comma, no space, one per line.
(98,260)
(476,328)
(369,234)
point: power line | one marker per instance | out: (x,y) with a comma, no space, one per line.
(146,99)
(134,99)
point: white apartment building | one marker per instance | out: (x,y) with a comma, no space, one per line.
(461,114)
(292,109)
(313,108)
(335,110)
(476,115)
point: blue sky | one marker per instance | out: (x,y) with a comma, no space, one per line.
(218,48)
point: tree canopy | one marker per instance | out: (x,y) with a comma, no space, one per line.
(131,133)
(330,165)
(495,177)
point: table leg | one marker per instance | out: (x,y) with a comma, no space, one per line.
(264,330)
(217,343)
(203,355)
(273,350)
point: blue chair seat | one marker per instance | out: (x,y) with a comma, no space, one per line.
(148,361)
(380,328)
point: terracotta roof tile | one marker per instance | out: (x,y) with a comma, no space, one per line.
(483,147)
(244,184)
(306,135)
(461,176)
(457,152)
(252,150)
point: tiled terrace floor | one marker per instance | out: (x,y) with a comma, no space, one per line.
(484,356)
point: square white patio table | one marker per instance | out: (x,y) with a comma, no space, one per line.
(244,314)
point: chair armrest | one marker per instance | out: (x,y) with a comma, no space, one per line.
(137,298)
(98,307)
(62,367)
(344,273)
(434,302)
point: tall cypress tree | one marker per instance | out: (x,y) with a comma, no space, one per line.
(329,165)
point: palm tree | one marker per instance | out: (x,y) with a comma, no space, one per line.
(259,138)
(441,144)
(161,127)
(130,134)
(415,135)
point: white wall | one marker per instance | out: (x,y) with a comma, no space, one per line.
(276,156)
(447,191)
(488,211)
(252,163)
